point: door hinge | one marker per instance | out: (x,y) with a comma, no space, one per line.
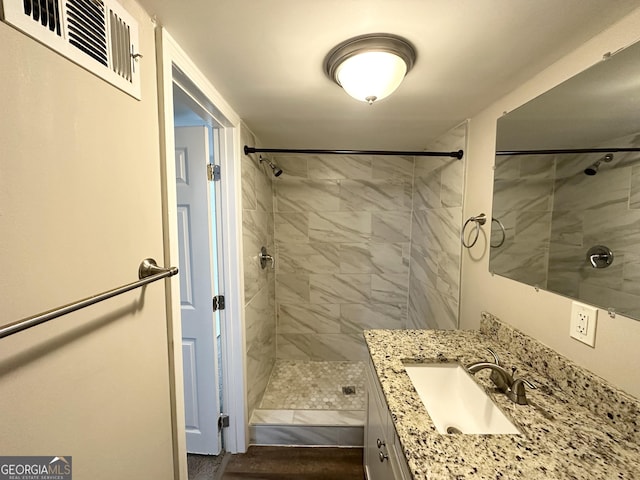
(213,172)
(223,421)
(218,303)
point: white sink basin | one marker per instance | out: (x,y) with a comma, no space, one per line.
(455,402)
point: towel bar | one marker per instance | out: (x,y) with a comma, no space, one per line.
(148,272)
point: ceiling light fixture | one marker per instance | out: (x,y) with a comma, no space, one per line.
(370,67)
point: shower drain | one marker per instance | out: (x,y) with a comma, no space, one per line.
(349,390)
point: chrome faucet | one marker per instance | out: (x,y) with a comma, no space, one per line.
(505,377)
(497,379)
(513,389)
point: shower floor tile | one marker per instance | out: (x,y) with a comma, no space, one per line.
(305,385)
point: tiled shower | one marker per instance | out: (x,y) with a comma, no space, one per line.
(360,242)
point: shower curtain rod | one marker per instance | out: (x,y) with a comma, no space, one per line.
(568,150)
(248,150)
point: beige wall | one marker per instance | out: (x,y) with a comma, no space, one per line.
(79,209)
(541,314)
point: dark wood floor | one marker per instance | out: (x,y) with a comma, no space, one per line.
(296,463)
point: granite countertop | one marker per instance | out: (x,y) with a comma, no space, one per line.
(576,426)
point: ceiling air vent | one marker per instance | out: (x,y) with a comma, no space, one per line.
(98,35)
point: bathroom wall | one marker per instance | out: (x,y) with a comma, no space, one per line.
(259,284)
(342,231)
(543,315)
(434,281)
(80,207)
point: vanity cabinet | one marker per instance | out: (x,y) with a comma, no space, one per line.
(383,458)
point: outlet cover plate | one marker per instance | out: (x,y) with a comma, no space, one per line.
(584,319)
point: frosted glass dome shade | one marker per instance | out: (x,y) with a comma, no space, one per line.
(370,67)
(371,76)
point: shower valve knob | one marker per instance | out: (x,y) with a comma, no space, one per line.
(600,256)
(266,258)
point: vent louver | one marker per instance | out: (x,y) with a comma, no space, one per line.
(47,12)
(98,35)
(87,29)
(120,41)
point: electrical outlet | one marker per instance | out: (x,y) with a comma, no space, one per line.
(582,323)
(584,319)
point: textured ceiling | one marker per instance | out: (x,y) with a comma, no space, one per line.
(265,57)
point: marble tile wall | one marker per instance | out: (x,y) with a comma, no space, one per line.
(259,284)
(342,233)
(365,242)
(435,250)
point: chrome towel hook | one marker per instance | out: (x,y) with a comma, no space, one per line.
(479,220)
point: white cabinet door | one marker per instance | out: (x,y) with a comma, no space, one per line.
(377,464)
(202,404)
(396,457)
(383,456)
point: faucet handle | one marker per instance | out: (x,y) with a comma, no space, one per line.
(517,392)
(519,383)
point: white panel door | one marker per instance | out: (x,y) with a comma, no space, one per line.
(202,405)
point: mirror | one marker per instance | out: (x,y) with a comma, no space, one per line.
(566,193)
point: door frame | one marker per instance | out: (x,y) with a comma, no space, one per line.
(169,54)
